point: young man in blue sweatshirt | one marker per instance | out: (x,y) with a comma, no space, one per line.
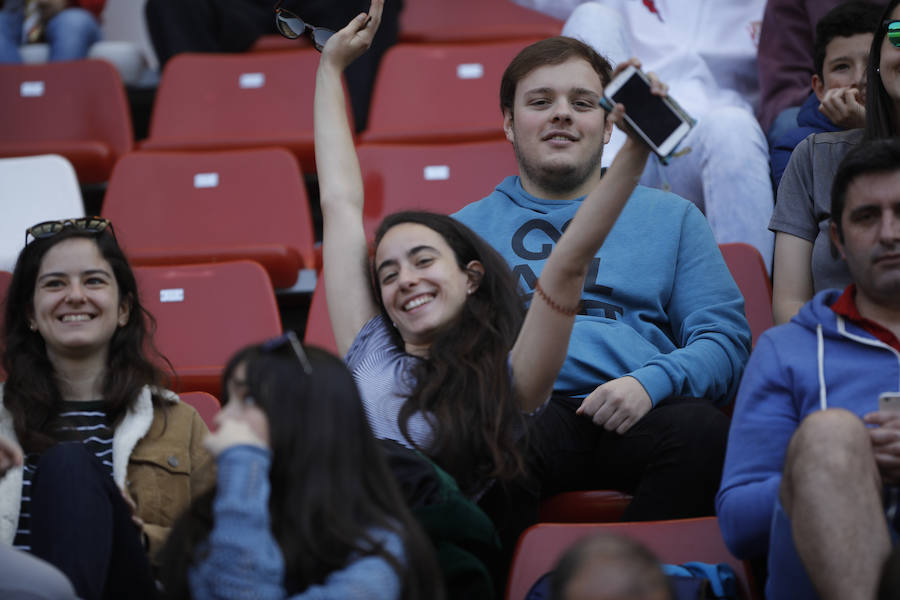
(813,463)
(837,101)
(660,335)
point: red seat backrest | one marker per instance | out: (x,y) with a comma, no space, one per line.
(318,323)
(73,108)
(439,177)
(673,542)
(181,207)
(749,272)
(225,101)
(206,313)
(438,93)
(205,404)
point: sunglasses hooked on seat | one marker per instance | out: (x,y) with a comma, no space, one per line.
(48,229)
(292,27)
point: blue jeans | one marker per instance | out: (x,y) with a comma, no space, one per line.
(70,34)
(81,525)
(10,36)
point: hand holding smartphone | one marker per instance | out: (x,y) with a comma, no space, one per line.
(889,401)
(658,120)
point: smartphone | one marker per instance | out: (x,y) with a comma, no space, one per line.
(658,120)
(889,401)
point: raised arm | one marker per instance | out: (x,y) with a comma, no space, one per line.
(541,347)
(345,253)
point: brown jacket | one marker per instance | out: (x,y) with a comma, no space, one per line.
(158,457)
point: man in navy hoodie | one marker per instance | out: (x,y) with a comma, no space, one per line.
(660,334)
(813,463)
(837,102)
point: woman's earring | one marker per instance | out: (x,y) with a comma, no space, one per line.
(32,325)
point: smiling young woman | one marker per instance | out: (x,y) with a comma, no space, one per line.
(88,407)
(447,360)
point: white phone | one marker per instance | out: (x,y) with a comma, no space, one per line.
(659,120)
(889,401)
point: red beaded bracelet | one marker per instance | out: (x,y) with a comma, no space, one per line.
(569,312)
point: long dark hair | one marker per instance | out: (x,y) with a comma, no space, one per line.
(464,382)
(31,394)
(330,483)
(880,107)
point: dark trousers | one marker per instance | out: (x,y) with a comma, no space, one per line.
(670,460)
(177,26)
(81,524)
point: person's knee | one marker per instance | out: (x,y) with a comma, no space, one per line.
(731,127)
(830,444)
(697,424)
(25,576)
(689,436)
(602,28)
(72,20)
(66,461)
(829,437)
(592,12)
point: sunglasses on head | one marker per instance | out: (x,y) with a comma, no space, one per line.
(893,32)
(48,229)
(292,27)
(288,340)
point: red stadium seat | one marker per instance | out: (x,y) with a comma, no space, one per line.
(177,208)
(205,313)
(473,21)
(275,42)
(227,101)
(318,323)
(441,177)
(673,542)
(749,272)
(73,108)
(592,506)
(453,96)
(205,404)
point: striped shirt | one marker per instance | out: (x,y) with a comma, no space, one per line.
(85,422)
(382,372)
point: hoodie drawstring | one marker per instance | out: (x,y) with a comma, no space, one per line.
(820,355)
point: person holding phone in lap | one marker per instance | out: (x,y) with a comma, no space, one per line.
(659,336)
(812,473)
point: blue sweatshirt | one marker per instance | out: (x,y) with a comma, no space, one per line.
(810,120)
(780,387)
(659,303)
(241,558)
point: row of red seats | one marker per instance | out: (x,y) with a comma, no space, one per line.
(205,312)
(263,98)
(198,207)
(423,94)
